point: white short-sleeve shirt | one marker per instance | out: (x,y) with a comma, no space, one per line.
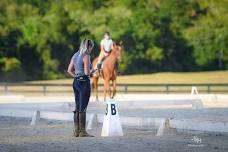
(107,44)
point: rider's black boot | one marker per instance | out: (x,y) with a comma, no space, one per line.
(99,66)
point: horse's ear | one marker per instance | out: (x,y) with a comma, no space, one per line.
(119,42)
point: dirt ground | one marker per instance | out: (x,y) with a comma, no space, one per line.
(16,135)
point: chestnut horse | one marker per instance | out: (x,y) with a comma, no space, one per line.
(108,72)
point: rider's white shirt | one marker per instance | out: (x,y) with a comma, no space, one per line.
(107,44)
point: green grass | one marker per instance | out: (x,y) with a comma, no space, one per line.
(164,77)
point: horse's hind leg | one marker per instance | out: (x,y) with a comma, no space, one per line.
(95,86)
(96,90)
(109,90)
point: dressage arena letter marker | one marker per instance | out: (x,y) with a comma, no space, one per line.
(113,109)
(194,90)
(35,118)
(111,123)
(197,103)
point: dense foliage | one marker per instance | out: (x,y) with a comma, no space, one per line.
(38,37)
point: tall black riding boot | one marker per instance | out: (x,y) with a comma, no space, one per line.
(76,124)
(99,66)
(82,125)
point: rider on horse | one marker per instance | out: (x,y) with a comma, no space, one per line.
(106,48)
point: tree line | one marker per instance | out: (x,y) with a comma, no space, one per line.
(38,37)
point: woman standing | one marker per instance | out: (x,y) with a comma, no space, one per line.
(79,68)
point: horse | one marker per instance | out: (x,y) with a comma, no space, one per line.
(108,72)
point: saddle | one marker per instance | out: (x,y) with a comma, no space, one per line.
(98,71)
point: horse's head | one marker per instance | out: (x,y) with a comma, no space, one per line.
(119,49)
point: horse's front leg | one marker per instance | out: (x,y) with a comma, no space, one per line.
(106,89)
(114,88)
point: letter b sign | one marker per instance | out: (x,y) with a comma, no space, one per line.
(113,109)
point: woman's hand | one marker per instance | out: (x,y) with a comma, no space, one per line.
(71,69)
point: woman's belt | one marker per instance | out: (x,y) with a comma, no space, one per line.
(82,77)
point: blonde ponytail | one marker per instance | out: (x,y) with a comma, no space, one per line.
(86,46)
